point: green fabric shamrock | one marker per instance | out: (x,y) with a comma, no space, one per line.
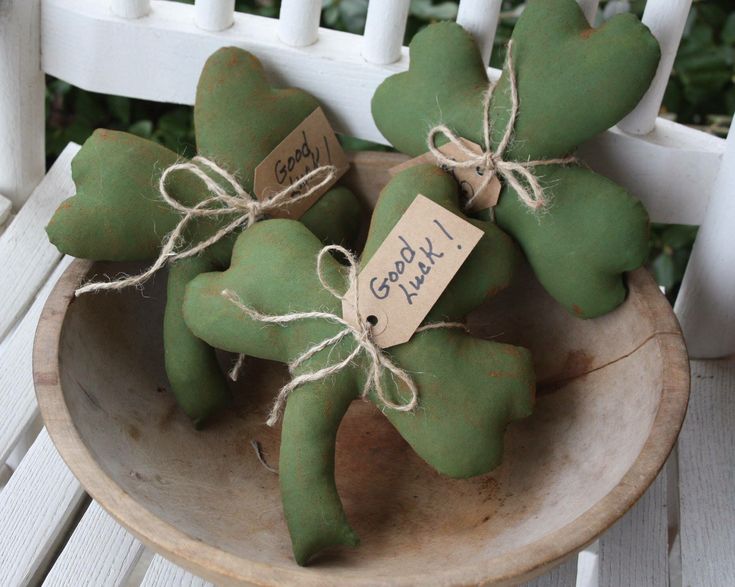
(573,82)
(468,388)
(118,214)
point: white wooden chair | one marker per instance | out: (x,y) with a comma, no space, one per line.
(681,532)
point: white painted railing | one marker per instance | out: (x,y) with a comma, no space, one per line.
(384,30)
(154,50)
(130,8)
(299,22)
(706,302)
(666,19)
(481,17)
(22,91)
(214,15)
(159,57)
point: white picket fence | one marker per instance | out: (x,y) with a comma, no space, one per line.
(681,531)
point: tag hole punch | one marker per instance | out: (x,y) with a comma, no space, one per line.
(372,320)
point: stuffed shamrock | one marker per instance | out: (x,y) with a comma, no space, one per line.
(280,300)
(563,83)
(119,214)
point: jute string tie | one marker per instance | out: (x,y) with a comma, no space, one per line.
(518,174)
(246,209)
(362,334)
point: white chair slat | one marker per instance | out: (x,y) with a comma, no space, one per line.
(36,507)
(25,429)
(214,15)
(22,91)
(163,573)
(26,256)
(706,302)
(564,575)
(589,7)
(130,8)
(635,550)
(100,553)
(6,207)
(384,30)
(298,24)
(588,567)
(672,170)
(707,477)
(481,17)
(17,396)
(666,19)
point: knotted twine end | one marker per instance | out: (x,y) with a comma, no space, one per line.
(490,163)
(362,334)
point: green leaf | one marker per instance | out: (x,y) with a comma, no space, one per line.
(711,14)
(728,31)
(427,10)
(330,16)
(664,270)
(89,110)
(353,14)
(355,144)
(142,128)
(77,132)
(58,86)
(678,236)
(119,108)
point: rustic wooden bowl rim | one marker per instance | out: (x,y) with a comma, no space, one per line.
(215,563)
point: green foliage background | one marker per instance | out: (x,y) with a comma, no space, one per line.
(701,93)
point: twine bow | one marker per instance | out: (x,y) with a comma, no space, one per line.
(246,209)
(362,334)
(490,163)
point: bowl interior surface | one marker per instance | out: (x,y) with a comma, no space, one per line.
(595,441)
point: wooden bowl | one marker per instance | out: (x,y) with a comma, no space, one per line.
(612,395)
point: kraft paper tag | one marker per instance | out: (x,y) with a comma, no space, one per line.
(468,178)
(310,145)
(410,270)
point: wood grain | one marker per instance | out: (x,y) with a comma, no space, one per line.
(163,573)
(707,477)
(36,507)
(99,553)
(17,396)
(22,95)
(635,550)
(26,255)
